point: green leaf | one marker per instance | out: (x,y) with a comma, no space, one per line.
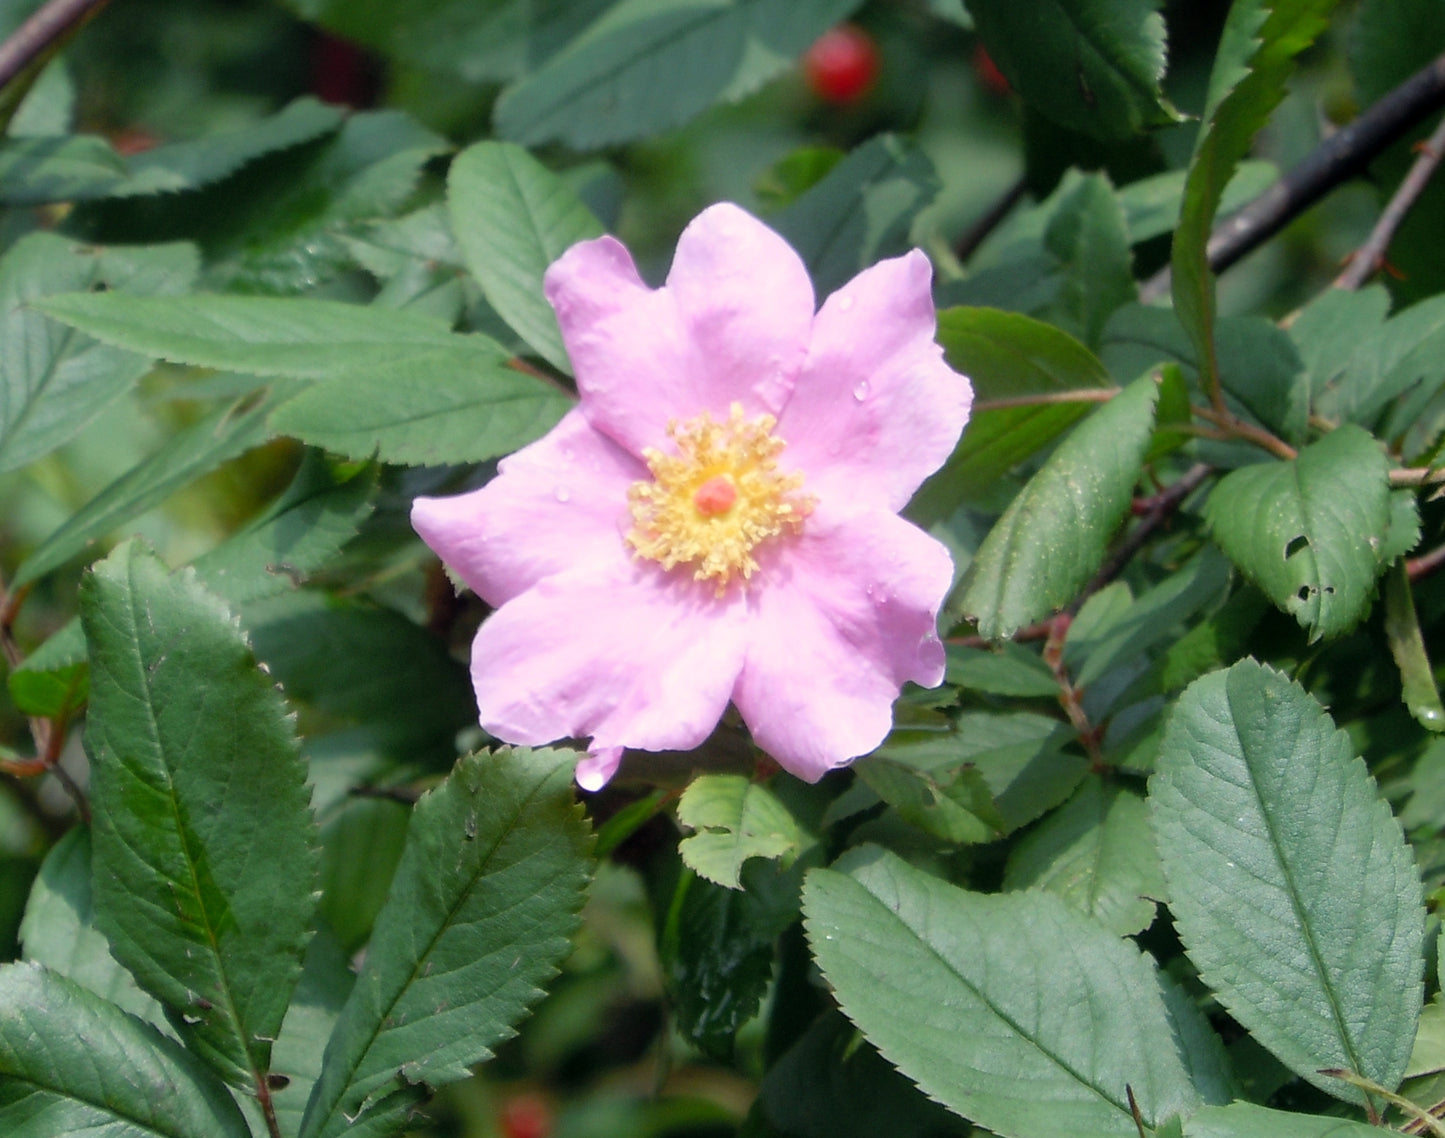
(1289,879)
(1151,205)
(311,339)
(1097,853)
(431,409)
(1310,531)
(735,820)
(216,438)
(861,212)
(478,916)
(1255,59)
(1088,235)
(326,982)
(72,1063)
(1008,357)
(513,217)
(1327,333)
(649,65)
(204,845)
(1054,534)
(59,929)
(56,693)
(1407,646)
(1245,1120)
(954,803)
(1091,65)
(1010,669)
(955,987)
(34,171)
(52,381)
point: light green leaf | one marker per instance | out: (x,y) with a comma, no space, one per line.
(34,171)
(203,841)
(1407,646)
(1088,235)
(1091,65)
(1289,879)
(430,409)
(735,820)
(953,803)
(225,433)
(54,693)
(54,381)
(59,929)
(1097,853)
(649,65)
(1011,669)
(1054,534)
(1245,1120)
(861,211)
(72,1063)
(326,982)
(311,339)
(513,217)
(1310,531)
(478,916)
(1151,205)
(956,988)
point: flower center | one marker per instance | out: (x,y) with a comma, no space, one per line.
(714,501)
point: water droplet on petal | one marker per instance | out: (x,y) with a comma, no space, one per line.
(562,494)
(860,390)
(845,303)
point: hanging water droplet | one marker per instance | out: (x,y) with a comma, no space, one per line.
(860,390)
(562,494)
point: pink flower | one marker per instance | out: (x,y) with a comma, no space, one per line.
(717,520)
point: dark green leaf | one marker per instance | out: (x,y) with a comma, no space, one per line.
(1407,645)
(1088,235)
(1008,357)
(326,982)
(513,217)
(1091,65)
(648,65)
(1010,669)
(54,381)
(956,987)
(72,1063)
(204,853)
(1310,531)
(34,171)
(430,409)
(478,916)
(1054,534)
(1272,836)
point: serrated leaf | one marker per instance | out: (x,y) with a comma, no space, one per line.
(1097,853)
(430,409)
(203,843)
(1011,669)
(1310,531)
(59,929)
(1254,61)
(1008,356)
(956,987)
(953,803)
(735,820)
(1088,235)
(1245,1120)
(1289,879)
(34,171)
(513,217)
(225,433)
(326,982)
(270,336)
(72,1063)
(1091,65)
(861,211)
(1054,534)
(478,917)
(53,381)
(649,65)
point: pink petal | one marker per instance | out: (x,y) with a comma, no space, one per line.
(846,614)
(731,325)
(596,768)
(619,651)
(875,409)
(554,504)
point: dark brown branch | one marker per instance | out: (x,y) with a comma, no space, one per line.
(975,235)
(1369,258)
(36,35)
(1338,159)
(1417,568)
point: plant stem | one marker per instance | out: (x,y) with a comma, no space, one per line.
(1076,395)
(32,38)
(1234,427)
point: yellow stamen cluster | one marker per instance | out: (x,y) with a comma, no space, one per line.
(711,503)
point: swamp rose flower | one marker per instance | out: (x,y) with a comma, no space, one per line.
(717,520)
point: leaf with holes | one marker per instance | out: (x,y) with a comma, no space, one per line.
(1310,531)
(478,917)
(735,820)
(203,843)
(1290,881)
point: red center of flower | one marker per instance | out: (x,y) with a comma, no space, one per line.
(715,496)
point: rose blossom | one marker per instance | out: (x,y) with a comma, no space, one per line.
(717,520)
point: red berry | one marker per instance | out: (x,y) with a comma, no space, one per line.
(842,64)
(988,73)
(526,1115)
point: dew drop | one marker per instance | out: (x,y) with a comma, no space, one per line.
(1429,716)
(860,390)
(562,494)
(845,303)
